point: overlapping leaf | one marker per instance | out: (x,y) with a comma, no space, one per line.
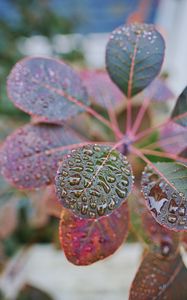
(180,109)
(134,56)
(86,241)
(160,278)
(166,196)
(31,154)
(93,181)
(101,89)
(47,88)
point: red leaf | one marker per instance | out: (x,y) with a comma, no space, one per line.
(47,88)
(160,278)
(31,154)
(87,241)
(101,89)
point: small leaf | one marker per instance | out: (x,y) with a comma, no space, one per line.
(134,57)
(92,181)
(160,278)
(101,89)
(86,241)
(167,205)
(180,109)
(47,89)
(31,154)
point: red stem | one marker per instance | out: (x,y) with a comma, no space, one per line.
(140,115)
(164,154)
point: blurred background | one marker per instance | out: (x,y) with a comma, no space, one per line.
(77,32)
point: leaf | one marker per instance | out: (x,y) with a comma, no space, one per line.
(47,89)
(92,181)
(85,241)
(31,154)
(180,109)
(176,173)
(158,91)
(173,138)
(29,292)
(101,89)
(160,278)
(134,57)
(166,240)
(167,205)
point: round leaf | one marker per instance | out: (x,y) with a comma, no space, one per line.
(86,241)
(134,56)
(160,278)
(46,88)
(167,205)
(93,181)
(30,156)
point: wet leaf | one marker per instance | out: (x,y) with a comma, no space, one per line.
(101,89)
(134,56)
(160,278)
(31,154)
(47,89)
(158,91)
(87,241)
(167,205)
(93,180)
(180,109)
(176,173)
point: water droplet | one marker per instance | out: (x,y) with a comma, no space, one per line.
(110,179)
(120,193)
(182,210)
(84,209)
(173,207)
(172,218)
(74,180)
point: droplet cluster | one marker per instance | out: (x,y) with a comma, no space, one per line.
(166,204)
(93,181)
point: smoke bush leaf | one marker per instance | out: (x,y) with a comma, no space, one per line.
(93,180)
(47,89)
(85,241)
(160,278)
(167,205)
(180,109)
(101,89)
(134,56)
(30,155)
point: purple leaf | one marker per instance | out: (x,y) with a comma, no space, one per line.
(47,89)
(101,89)
(31,154)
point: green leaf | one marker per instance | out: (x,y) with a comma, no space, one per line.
(93,181)
(180,110)
(176,173)
(134,57)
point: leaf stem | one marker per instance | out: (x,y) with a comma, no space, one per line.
(164,154)
(128,116)
(140,115)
